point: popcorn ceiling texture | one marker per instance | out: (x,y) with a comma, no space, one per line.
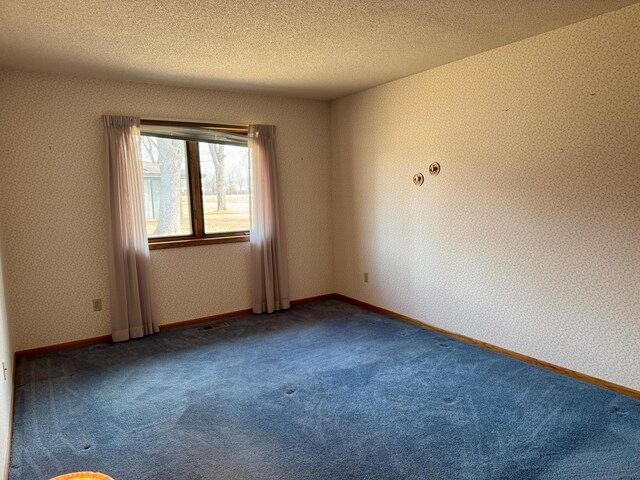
(53,203)
(316,48)
(528,238)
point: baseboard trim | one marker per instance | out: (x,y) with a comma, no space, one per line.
(169,326)
(208,319)
(598,382)
(456,336)
(62,346)
(238,313)
(317,298)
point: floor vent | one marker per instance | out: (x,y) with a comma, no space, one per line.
(213,326)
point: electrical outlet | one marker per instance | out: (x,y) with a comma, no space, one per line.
(366,277)
(97,305)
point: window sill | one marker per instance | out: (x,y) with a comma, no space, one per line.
(194,242)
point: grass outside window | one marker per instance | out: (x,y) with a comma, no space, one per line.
(196,190)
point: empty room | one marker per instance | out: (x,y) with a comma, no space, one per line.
(315,240)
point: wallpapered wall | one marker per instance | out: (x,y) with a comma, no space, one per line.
(53,211)
(529,237)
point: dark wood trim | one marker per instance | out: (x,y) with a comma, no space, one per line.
(63,346)
(168,326)
(598,382)
(317,298)
(208,319)
(198,235)
(456,336)
(194,242)
(237,313)
(195,189)
(237,129)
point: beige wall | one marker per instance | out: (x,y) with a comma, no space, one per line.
(53,193)
(529,238)
(6,384)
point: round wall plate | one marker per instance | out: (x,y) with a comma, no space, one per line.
(434,168)
(418,179)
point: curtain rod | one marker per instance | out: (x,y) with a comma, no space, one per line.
(239,129)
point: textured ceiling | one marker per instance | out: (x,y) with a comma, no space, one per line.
(306,48)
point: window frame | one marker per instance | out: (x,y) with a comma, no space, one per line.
(198,235)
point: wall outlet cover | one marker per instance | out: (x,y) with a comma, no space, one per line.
(97,305)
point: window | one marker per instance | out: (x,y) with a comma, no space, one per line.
(197,183)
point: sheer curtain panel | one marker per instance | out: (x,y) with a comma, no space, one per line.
(131,315)
(269,268)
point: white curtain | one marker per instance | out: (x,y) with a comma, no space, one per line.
(131,315)
(270,275)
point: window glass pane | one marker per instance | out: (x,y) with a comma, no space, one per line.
(167,207)
(224,171)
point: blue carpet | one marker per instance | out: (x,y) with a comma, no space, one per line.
(323,391)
